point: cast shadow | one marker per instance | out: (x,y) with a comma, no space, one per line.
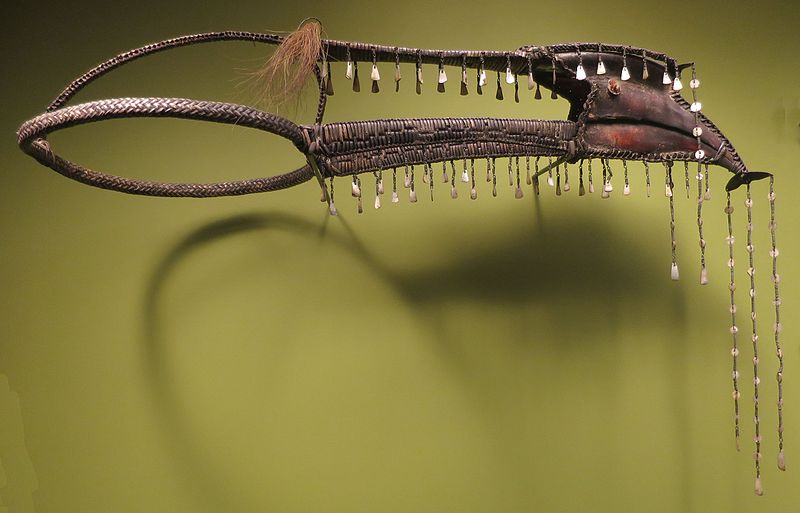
(567,258)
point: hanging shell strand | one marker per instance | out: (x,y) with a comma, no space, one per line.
(674,273)
(734,328)
(777,328)
(759,489)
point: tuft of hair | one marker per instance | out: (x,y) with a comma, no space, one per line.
(282,78)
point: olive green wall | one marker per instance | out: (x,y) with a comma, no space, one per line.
(253,354)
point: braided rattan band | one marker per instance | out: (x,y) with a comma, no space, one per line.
(360,146)
(31,138)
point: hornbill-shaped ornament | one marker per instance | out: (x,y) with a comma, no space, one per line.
(626,104)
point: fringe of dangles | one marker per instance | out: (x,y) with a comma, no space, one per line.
(558,178)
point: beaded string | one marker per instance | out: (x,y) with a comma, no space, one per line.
(558,180)
(429,168)
(473,193)
(528,180)
(494,177)
(701,240)
(395,197)
(397,75)
(778,351)
(697,131)
(756,380)
(626,191)
(668,191)
(378,191)
(734,329)
(412,193)
(331,205)
(359,205)
(686,175)
(453,190)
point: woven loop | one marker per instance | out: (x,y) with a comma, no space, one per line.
(31,138)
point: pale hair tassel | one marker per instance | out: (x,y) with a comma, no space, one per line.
(285,74)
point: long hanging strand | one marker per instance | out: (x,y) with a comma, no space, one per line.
(453,190)
(429,167)
(395,197)
(686,173)
(528,180)
(412,192)
(518,193)
(697,131)
(473,193)
(558,180)
(675,275)
(701,240)
(778,351)
(734,328)
(647,176)
(331,205)
(626,190)
(378,191)
(494,177)
(359,205)
(759,489)
(607,186)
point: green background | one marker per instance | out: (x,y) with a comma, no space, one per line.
(252,354)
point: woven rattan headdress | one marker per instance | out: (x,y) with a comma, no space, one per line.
(625,104)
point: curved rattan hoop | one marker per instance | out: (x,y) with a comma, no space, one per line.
(32,139)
